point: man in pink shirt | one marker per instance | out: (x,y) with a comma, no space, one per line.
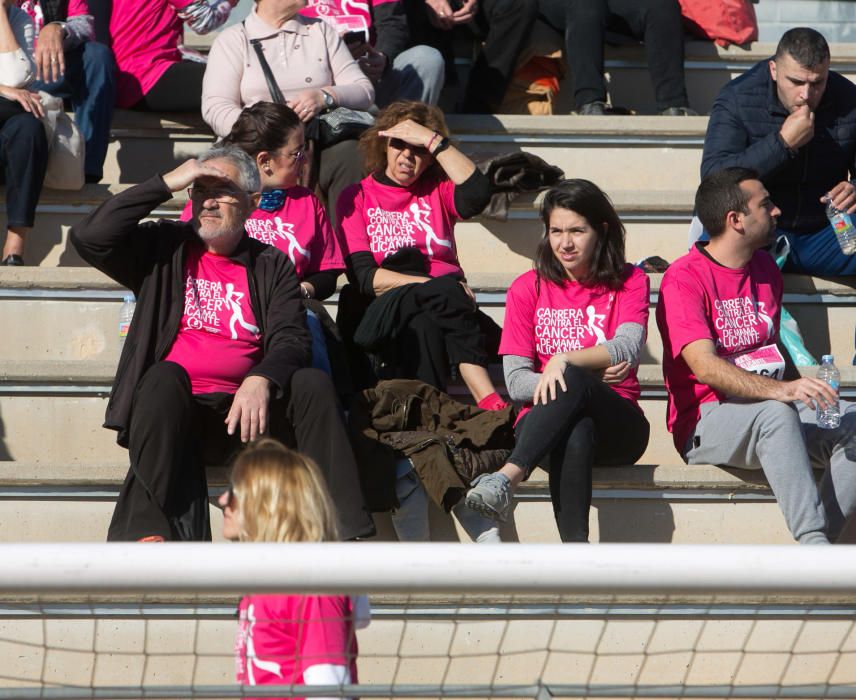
(729,402)
(216,353)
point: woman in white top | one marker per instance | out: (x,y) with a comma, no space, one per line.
(23,144)
(312,68)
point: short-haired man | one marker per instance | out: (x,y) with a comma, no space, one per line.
(216,353)
(729,404)
(794,121)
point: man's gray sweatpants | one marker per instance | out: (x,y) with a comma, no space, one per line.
(784,441)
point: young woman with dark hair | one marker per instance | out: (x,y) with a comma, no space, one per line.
(574,329)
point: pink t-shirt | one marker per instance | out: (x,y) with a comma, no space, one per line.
(145,35)
(542,320)
(344,15)
(383,218)
(738,310)
(299,228)
(34,9)
(218,342)
(280,636)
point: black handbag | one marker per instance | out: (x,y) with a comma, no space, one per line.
(329,128)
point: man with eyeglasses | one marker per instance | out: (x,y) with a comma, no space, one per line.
(216,354)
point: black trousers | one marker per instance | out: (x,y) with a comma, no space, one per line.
(587,424)
(175,434)
(24,158)
(439,327)
(656,22)
(179,89)
(505,27)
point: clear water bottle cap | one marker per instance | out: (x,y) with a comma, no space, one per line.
(827,359)
(128,298)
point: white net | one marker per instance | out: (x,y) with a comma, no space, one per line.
(445,626)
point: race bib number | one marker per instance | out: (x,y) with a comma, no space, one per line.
(766,361)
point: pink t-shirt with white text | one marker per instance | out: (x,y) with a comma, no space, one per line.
(345,15)
(280,636)
(544,319)
(300,229)
(382,219)
(145,35)
(218,341)
(739,310)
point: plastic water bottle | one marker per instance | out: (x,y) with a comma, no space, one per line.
(842,224)
(829,417)
(126,313)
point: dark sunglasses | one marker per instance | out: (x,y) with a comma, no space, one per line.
(400,145)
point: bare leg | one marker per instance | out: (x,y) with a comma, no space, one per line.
(15,240)
(477,380)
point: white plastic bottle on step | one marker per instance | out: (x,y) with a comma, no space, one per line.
(126,313)
(830,416)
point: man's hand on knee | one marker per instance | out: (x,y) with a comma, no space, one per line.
(250,408)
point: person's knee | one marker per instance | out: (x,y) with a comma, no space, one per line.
(167,378)
(426,61)
(25,129)
(578,377)
(98,61)
(776,415)
(524,10)
(310,387)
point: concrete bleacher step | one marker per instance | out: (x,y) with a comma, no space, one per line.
(58,465)
(656,222)
(618,152)
(78,310)
(61,502)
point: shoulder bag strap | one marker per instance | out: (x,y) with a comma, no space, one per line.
(275,92)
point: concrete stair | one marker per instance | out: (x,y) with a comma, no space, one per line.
(57,465)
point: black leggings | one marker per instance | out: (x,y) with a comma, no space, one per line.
(588,423)
(179,89)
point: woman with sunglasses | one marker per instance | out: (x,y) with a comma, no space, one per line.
(398,228)
(278,495)
(289,217)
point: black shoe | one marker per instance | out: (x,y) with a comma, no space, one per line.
(597,108)
(678,112)
(13,260)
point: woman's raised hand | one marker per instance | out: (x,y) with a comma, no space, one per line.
(410,132)
(553,373)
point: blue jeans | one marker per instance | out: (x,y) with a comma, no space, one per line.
(319,343)
(90,84)
(415,74)
(818,254)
